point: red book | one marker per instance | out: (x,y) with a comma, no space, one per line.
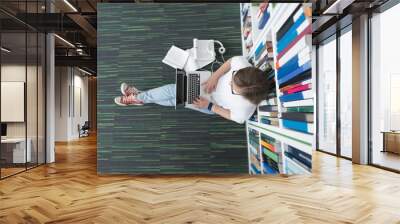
(302,34)
(295,85)
(298,89)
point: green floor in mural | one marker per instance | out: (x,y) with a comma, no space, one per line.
(132,41)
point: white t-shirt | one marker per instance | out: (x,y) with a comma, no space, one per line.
(241,108)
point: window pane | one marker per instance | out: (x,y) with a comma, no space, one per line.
(385,84)
(346,94)
(327,97)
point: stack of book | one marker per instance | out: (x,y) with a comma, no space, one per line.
(268,109)
(293,65)
(263,15)
(254,152)
(263,56)
(247,27)
(296,160)
(270,148)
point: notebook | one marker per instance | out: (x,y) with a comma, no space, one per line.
(176,57)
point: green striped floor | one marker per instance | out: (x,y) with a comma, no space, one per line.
(132,40)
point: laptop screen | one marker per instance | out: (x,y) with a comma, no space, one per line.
(3,129)
(180,87)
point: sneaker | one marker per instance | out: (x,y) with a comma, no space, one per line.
(127,100)
(127,90)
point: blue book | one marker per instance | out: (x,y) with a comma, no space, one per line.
(289,66)
(264,19)
(297,96)
(259,50)
(291,34)
(254,169)
(268,169)
(304,68)
(298,126)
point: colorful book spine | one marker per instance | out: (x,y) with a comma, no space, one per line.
(303,82)
(289,22)
(301,49)
(302,109)
(298,126)
(299,103)
(294,63)
(298,89)
(305,32)
(297,96)
(299,26)
(298,116)
(303,69)
(268,108)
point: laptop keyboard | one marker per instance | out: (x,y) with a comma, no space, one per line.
(194,87)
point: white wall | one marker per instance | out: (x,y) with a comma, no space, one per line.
(69,82)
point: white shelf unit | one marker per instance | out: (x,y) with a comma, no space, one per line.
(279,14)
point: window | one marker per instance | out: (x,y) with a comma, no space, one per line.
(346,93)
(327,96)
(385,89)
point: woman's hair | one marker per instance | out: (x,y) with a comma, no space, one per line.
(253,84)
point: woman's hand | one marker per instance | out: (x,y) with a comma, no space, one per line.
(201,103)
(210,84)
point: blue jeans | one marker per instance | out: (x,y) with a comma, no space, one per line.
(164,96)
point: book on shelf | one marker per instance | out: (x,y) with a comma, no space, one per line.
(298,126)
(270,74)
(298,116)
(268,169)
(297,78)
(269,121)
(254,170)
(259,50)
(306,68)
(253,150)
(268,108)
(270,154)
(291,168)
(269,146)
(262,8)
(301,48)
(269,139)
(297,88)
(299,103)
(269,114)
(271,163)
(300,25)
(271,101)
(297,96)
(293,64)
(305,33)
(299,155)
(294,85)
(264,20)
(303,109)
(288,23)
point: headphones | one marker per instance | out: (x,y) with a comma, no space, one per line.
(221,49)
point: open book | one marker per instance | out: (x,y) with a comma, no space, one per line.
(176,57)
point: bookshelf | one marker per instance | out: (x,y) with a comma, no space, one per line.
(277,39)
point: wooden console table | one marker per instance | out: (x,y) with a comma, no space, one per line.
(391,141)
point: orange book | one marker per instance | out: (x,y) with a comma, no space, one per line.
(268,146)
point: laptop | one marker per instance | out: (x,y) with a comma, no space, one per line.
(188,87)
(3,131)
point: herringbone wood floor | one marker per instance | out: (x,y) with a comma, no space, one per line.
(70,191)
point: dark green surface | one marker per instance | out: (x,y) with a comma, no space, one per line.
(132,41)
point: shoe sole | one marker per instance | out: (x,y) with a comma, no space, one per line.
(124,86)
(125,105)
